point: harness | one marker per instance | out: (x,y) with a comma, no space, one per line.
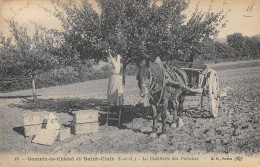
(152,85)
(172,74)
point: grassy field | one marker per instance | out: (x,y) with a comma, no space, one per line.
(235,130)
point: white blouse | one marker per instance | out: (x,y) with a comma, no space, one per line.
(116,64)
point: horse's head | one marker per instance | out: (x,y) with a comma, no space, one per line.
(144,77)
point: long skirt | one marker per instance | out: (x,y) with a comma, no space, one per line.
(115,90)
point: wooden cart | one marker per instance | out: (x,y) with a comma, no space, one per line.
(202,81)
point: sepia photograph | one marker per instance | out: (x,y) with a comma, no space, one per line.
(130,83)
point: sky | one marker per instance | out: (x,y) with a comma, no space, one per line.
(244,15)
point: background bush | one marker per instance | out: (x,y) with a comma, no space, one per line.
(61,76)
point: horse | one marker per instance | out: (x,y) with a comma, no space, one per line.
(153,84)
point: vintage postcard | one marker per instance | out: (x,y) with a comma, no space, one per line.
(129,83)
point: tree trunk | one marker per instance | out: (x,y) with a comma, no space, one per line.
(33,86)
(124,68)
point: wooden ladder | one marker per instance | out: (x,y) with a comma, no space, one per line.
(114,118)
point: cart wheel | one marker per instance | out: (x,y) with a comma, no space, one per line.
(213,88)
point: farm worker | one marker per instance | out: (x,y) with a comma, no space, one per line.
(115,86)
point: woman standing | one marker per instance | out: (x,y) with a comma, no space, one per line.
(115,87)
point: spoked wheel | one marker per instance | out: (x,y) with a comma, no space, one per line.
(213,93)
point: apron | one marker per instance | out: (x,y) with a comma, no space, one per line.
(115,90)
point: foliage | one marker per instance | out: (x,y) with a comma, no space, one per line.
(245,47)
(217,52)
(61,76)
(238,47)
(28,54)
(144,29)
(9,57)
(224,52)
(80,34)
(137,29)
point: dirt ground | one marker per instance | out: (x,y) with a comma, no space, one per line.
(235,130)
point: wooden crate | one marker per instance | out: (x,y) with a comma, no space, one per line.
(85,116)
(35,118)
(79,129)
(64,134)
(31,130)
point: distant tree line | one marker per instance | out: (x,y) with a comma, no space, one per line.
(237,47)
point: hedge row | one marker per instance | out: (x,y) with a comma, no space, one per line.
(56,77)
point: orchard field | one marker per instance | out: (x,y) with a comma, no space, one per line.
(235,130)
